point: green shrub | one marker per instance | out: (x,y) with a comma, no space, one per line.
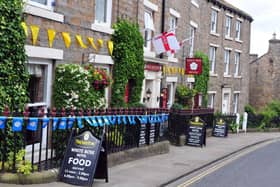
(184,95)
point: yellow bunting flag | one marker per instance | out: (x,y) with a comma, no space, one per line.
(34,31)
(100,42)
(110,46)
(67,39)
(80,41)
(51,35)
(25,28)
(183,71)
(91,42)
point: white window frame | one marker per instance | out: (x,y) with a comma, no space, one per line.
(104,27)
(212,58)
(191,41)
(173,23)
(47,6)
(238,30)
(195,3)
(214,21)
(236,101)
(44,11)
(237,56)
(211,99)
(226,61)
(149,29)
(228,26)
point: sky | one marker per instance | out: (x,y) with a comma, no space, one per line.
(266,15)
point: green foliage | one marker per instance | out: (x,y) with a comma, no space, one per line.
(201,81)
(129,62)
(184,94)
(233,127)
(22,166)
(177,106)
(249,109)
(73,88)
(271,111)
(13,74)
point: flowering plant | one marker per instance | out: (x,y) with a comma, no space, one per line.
(100,78)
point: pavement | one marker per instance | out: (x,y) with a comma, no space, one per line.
(161,169)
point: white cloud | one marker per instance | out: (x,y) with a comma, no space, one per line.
(266,14)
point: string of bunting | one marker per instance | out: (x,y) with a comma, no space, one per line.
(63,123)
(66,36)
(173,70)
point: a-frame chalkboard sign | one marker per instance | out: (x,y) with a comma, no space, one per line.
(196,132)
(85,159)
(220,128)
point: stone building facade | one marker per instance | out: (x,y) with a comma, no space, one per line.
(211,26)
(264,76)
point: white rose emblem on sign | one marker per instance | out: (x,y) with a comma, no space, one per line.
(193,66)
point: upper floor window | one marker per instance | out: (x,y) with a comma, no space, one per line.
(48,4)
(149,28)
(173,23)
(214,19)
(226,62)
(212,58)
(228,26)
(103,12)
(236,63)
(192,35)
(238,30)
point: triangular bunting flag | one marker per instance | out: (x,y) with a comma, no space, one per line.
(35,32)
(54,123)
(100,42)
(100,121)
(110,47)
(45,122)
(106,121)
(112,119)
(70,122)
(80,41)
(62,124)
(25,28)
(131,119)
(2,122)
(51,35)
(80,122)
(17,124)
(67,39)
(32,124)
(91,42)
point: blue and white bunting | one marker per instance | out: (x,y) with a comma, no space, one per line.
(2,122)
(62,123)
(17,124)
(112,119)
(100,121)
(94,122)
(45,122)
(106,121)
(124,120)
(54,123)
(119,118)
(80,122)
(70,122)
(143,119)
(131,119)
(32,124)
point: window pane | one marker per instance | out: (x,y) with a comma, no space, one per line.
(100,10)
(41,1)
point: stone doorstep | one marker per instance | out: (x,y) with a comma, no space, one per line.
(113,160)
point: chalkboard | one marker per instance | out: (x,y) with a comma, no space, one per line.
(196,132)
(220,128)
(152,133)
(81,159)
(142,135)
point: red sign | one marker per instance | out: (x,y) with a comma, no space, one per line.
(193,66)
(152,67)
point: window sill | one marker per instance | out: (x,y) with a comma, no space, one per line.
(237,77)
(213,74)
(215,34)
(227,76)
(239,41)
(44,13)
(228,38)
(102,28)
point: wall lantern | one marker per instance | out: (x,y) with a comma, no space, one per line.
(148,95)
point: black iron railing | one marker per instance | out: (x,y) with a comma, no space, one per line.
(43,144)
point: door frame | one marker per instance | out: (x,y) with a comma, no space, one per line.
(226,91)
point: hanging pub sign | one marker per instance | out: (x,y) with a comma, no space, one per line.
(193,66)
(81,160)
(196,132)
(220,128)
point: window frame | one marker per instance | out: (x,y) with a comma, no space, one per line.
(48,6)
(214,21)
(148,32)
(236,102)
(212,58)
(108,19)
(238,30)
(226,61)
(237,56)
(228,26)
(212,96)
